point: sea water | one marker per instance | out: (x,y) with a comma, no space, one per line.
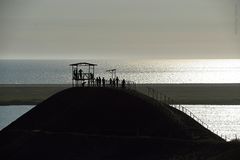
(140,71)
(225,119)
(10,113)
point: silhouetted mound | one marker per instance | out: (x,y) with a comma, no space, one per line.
(101,111)
(105,123)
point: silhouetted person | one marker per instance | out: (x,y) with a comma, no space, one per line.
(103,82)
(99,81)
(75,74)
(123,83)
(117,80)
(91,76)
(80,73)
(113,82)
(110,82)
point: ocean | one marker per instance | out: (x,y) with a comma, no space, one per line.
(10,113)
(139,71)
(223,119)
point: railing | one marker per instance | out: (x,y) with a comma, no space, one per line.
(131,85)
(106,83)
(157,95)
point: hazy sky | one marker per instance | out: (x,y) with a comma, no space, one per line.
(119,29)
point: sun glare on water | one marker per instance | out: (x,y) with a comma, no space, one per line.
(215,71)
(188,71)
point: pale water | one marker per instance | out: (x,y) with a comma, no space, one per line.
(140,71)
(223,118)
(10,113)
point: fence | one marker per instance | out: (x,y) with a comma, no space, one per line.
(157,95)
(106,83)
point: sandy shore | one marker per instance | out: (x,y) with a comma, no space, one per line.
(29,94)
(221,94)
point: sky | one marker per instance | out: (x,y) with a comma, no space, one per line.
(119,29)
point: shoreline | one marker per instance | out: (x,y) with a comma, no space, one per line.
(205,94)
(212,94)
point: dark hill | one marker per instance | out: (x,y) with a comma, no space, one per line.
(104,111)
(104,123)
(101,111)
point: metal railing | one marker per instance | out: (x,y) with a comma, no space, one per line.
(162,98)
(107,83)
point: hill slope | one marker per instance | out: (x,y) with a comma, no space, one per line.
(93,123)
(105,111)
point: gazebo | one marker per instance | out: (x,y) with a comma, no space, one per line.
(81,73)
(112,72)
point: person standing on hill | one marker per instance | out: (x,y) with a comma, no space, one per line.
(99,81)
(113,82)
(75,74)
(123,83)
(117,80)
(110,82)
(103,82)
(80,73)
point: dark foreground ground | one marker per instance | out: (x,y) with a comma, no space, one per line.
(181,93)
(105,123)
(70,146)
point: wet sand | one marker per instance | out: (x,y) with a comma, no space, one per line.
(30,94)
(219,94)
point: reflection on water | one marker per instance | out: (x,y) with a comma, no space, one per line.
(223,118)
(10,113)
(140,71)
(186,71)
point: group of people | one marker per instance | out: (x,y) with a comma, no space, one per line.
(114,82)
(101,82)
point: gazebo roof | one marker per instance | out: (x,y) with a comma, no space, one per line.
(111,70)
(83,64)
